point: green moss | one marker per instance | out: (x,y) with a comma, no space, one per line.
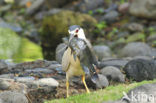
(28,51)
(55,27)
(9,43)
(136,37)
(19,49)
(107,94)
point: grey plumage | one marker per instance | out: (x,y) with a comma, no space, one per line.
(87,58)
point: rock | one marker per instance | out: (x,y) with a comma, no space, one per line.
(143,8)
(119,101)
(102,83)
(24,79)
(55,27)
(34,64)
(14,27)
(140,69)
(113,62)
(3,66)
(60,49)
(34,7)
(135,27)
(136,37)
(39,70)
(110,17)
(4,85)
(124,8)
(9,76)
(56,67)
(137,49)
(13,97)
(113,74)
(50,82)
(86,5)
(102,51)
(141,94)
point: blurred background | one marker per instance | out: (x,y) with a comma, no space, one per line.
(33,29)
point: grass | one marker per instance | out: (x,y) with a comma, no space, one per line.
(99,96)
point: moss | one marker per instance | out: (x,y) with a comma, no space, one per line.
(55,27)
(19,49)
(136,37)
(9,43)
(28,51)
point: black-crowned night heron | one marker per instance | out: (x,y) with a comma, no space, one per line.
(78,57)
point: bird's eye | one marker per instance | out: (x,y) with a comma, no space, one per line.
(77,31)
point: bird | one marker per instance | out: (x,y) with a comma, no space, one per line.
(78,58)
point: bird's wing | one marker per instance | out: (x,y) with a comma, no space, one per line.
(81,49)
(66,59)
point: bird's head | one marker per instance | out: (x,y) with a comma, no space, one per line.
(76,31)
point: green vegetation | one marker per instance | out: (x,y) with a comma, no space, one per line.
(19,49)
(28,51)
(109,93)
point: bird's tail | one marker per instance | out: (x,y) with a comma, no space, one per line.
(94,76)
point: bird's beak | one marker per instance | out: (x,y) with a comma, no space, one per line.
(71,36)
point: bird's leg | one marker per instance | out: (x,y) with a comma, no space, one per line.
(84,82)
(67,85)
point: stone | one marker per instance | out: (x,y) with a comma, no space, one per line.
(50,82)
(24,79)
(103,82)
(119,63)
(39,70)
(60,49)
(55,27)
(135,27)
(14,27)
(4,85)
(34,7)
(140,69)
(13,97)
(110,17)
(3,65)
(124,8)
(102,51)
(143,8)
(141,94)
(86,5)
(137,49)
(113,74)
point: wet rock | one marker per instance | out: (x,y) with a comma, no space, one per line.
(102,51)
(143,8)
(9,76)
(124,8)
(86,5)
(14,27)
(137,49)
(140,69)
(113,62)
(110,17)
(55,27)
(113,74)
(134,27)
(13,97)
(34,7)
(4,85)
(60,49)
